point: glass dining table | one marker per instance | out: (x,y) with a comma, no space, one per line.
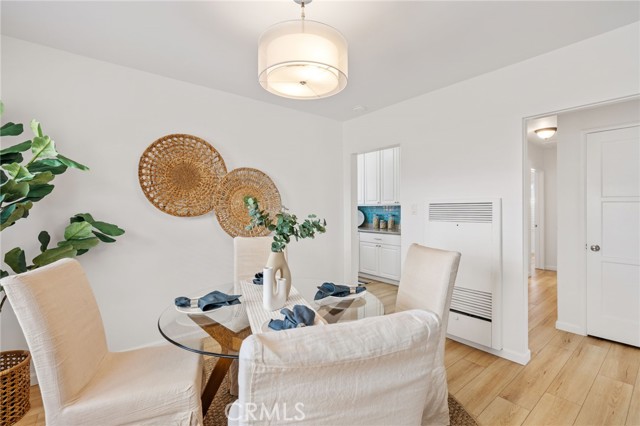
(220,332)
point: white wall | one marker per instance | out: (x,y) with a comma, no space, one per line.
(572,295)
(105,115)
(466,140)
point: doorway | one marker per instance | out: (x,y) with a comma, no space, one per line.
(567,243)
(537,205)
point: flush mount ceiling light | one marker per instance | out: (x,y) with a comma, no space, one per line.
(302,59)
(546,132)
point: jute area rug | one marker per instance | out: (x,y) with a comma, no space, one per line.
(216,414)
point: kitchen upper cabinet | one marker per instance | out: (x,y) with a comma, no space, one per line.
(360,166)
(379,177)
(372,177)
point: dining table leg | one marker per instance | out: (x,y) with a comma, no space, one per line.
(214,382)
(232,376)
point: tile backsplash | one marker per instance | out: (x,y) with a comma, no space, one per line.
(383,212)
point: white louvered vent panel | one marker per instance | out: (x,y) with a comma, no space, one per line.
(472,302)
(480,212)
(472,227)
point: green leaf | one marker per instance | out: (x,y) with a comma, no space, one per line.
(80,243)
(16,261)
(13,213)
(3,177)
(81,252)
(11,129)
(77,230)
(21,147)
(108,228)
(104,238)
(38,192)
(70,163)
(52,165)
(82,217)
(1,112)
(14,190)
(51,255)
(43,146)
(36,128)
(14,157)
(44,239)
(41,178)
(3,274)
(17,172)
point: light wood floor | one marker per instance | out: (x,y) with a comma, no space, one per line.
(570,380)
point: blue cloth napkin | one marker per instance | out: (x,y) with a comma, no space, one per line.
(214,300)
(301,316)
(335,290)
(258,278)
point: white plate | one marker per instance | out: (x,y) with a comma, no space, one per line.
(198,311)
(360,217)
(333,299)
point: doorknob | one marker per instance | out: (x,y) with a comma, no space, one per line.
(595,247)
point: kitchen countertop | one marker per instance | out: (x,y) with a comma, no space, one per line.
(369,228)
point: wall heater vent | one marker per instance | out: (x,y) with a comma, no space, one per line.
(461,212)
(474,228)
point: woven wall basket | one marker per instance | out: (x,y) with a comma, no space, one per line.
(15,384)
(230,209)
(179,174)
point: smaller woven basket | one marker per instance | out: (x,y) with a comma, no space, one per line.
(15,382)
(232,214)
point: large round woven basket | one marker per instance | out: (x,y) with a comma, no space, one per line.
(15,381)
(179,174)
(232,190)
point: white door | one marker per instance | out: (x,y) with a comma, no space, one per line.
(389,261)
(360,167)
(397,174)
(387,176)
(372,177)
(369,258)
(613,235)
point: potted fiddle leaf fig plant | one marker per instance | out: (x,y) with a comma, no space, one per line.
(24,183)
(284,226)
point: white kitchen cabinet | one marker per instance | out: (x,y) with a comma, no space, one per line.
(380,255)
(369,258)
(379,177)
(372,177)
(360,167)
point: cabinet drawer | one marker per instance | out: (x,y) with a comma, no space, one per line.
(371,237)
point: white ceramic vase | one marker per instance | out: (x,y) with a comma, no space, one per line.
(278,262)
(274,290)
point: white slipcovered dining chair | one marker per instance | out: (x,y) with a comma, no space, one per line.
(427,280)
(82,383)
(375,371)
(250,255)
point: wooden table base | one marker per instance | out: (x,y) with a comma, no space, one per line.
(214,382)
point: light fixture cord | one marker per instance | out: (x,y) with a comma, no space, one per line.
(302,16)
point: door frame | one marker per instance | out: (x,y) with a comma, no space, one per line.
(540,212)
(526,185)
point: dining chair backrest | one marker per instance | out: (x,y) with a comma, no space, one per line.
(250,255)
(59,316)
(427,281)
(372,371)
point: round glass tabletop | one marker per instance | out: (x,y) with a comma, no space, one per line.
(220,332)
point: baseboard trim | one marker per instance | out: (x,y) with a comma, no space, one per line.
(522,358)
(571,328)
(379,279)
(551,268)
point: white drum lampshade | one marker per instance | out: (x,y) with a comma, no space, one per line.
(302,59)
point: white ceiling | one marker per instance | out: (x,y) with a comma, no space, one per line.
(397,49)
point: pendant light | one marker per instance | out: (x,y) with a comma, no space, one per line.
(302,59)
